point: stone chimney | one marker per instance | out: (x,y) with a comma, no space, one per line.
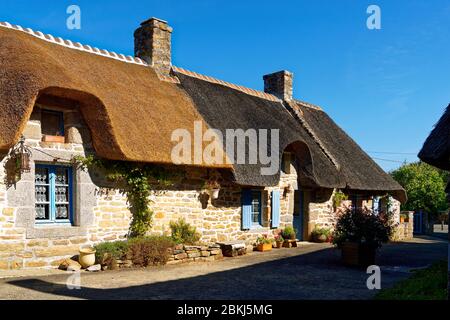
(153,44)
(279,84)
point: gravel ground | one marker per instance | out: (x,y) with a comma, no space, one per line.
(312,271)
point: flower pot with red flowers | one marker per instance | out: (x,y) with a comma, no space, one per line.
(279,241)
(360,234)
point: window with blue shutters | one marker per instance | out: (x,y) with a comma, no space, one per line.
(251,209)
(53,194)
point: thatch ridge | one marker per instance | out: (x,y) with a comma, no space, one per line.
(436,149)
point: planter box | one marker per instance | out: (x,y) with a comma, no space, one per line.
(55,139)
(358,255)
(264,247)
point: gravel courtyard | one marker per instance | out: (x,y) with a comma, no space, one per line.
(312,271)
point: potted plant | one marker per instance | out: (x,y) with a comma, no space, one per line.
(321,235)
(289,236)
(263,243)
(279,241)
(359,234)
(214,188)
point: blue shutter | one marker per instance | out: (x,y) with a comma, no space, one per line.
(275,208)
(246,209)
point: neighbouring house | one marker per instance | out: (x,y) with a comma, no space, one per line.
(436,152)
(68,99)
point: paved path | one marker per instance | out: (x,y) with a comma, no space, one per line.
(312,271)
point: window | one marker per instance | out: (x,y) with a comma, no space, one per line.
(256,207)
(52,123)
(251,208)
(53,191)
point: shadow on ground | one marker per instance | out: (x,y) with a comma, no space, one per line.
(314,275)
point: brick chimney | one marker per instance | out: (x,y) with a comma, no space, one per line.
(152,43)
(279,84)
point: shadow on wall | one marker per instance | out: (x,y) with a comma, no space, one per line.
(313,275)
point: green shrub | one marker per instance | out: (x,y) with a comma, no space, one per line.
(150,250)
(362,227)
(321,234)
(108,251)
(288,233)
(424,284)
(183,232)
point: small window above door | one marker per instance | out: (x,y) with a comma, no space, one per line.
(52,125)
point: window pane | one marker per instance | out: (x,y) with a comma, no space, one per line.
(256,206)
(41,175)
(52,123)
(62,176)
(42,212)
(62,212)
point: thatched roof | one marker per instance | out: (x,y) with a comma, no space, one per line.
(130,112)
(436,149)
(358,170)
(224,107)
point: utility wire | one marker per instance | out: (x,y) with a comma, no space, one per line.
(389,160)
(386,152)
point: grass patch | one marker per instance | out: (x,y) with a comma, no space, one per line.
(424,284)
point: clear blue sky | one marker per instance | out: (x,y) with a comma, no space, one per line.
(386,88)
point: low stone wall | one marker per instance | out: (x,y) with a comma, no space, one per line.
(182,253)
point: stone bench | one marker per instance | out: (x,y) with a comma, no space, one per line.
(233,248)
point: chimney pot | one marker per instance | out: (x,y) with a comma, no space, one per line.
(153,44)
(279,84)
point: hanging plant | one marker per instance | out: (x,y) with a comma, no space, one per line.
(139,180)
(338,197)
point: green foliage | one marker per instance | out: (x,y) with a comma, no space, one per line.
(424,185)
(264,240)
(362,227)
(338,197)
(288,233)
(183,232)
(150,250)
(425,284)
(139,179)
(107,251)
(141,251)
(318,232)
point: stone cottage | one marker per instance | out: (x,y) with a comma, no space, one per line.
(67,99)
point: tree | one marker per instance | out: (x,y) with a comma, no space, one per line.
(424,185)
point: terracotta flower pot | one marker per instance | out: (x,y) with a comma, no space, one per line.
(264,247)
(279,244)
(55,139)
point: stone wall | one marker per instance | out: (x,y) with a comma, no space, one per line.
(404,230)
(101,212)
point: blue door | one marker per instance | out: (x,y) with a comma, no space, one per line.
(418,222)
(299,197)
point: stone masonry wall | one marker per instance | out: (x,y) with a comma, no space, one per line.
(101,212)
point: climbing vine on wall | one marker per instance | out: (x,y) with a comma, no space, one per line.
(138,181)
